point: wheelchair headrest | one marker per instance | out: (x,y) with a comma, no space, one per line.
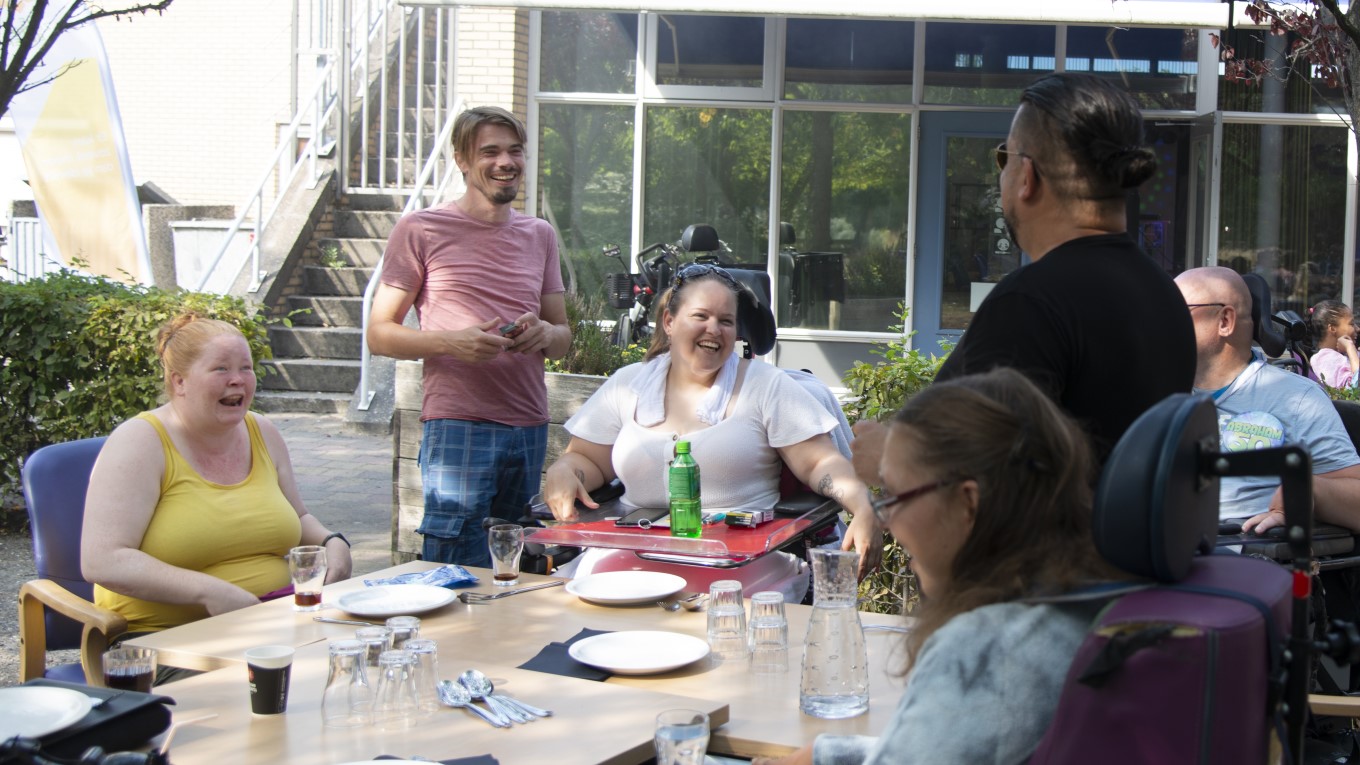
(1263,330)
(755,321)
(699,237)
(787,237)
(1154,510)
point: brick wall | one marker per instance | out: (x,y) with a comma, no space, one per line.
(203,89)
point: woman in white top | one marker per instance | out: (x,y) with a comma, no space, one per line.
(744,420)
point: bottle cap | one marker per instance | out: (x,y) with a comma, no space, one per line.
(682,447)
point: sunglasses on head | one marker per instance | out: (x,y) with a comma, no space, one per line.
(694,271)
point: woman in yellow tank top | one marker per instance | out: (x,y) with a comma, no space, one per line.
(193,505)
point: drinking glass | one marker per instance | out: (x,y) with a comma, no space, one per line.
(347,701)
(507,544)
(307,567)
(681,737)
(130,669)
(767,634)
(376,639)
(403,628)
(395,706)
(425,674)
(726,621)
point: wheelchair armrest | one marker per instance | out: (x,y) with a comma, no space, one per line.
(99,626)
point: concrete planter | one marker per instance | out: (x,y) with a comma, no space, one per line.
(566,393)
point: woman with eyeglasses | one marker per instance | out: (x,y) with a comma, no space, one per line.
(987,486)
(744,419)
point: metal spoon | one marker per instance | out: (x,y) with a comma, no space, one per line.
(452,694)
(485,682)
(674,605)
(479,687)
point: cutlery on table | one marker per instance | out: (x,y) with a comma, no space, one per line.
(478,678)
(693,602)
(885,628)
(478,597)
(480,688)
(452,694)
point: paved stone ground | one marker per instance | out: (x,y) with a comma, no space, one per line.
(344,477)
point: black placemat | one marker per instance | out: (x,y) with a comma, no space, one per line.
(555,660)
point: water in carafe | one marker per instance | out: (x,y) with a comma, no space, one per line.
(835,663)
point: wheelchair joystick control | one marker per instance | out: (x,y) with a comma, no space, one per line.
(1342,643)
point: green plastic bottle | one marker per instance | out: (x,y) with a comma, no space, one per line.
(683,489)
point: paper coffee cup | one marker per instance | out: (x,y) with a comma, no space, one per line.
(269,668)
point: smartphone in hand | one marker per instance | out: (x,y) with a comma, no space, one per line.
(511,330)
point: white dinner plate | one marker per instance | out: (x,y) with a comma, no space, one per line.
(396,600)
(618,588)
(641,652)
(37,711)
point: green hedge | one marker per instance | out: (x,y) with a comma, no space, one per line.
(78,356)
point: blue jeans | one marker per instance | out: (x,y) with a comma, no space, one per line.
(472,471)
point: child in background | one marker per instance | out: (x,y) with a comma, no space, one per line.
(1336,363)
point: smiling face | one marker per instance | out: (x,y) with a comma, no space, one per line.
(933,526)
(495,165)
(703,327)
(220,383)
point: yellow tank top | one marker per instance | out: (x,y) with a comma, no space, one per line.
(238,533)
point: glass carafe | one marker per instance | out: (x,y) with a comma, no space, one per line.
(835,664)
(348,699)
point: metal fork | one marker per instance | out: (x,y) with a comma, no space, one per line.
(481,597)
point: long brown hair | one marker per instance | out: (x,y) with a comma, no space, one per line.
(1031,533)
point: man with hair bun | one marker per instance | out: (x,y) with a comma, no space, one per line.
(1091,319)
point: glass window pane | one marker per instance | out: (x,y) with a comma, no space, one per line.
(866,61)
(588,52)
(709,165)
(1283,209)
(978,249)
(985,64)
(1158,66)
(1293,89)
(585,181)
(726,51)
(844,190)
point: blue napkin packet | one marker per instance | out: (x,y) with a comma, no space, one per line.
(449,576)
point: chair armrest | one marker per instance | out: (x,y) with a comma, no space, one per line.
(99,626)
(1334,706)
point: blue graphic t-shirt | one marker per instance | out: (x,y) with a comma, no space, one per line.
(1265,407)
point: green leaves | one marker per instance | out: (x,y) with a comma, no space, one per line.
(78,356)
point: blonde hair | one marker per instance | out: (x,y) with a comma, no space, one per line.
(180,342)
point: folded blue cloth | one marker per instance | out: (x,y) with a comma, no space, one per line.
(449,576)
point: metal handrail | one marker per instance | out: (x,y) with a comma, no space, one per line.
(439,149)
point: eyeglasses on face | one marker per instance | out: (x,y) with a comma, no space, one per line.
(1193,306)
(881,507)
(1003,154)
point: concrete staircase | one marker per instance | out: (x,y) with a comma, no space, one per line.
(316,361)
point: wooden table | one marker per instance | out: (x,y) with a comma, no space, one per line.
(764,714)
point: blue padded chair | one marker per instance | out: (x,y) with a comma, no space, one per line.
(56,610)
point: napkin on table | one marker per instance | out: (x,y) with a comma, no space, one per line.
(555,660)
(449,576)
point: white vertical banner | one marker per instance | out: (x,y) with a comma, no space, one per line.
(72,140)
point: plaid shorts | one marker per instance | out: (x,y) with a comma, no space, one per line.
(472,471)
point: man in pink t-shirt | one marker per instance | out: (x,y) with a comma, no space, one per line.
(486,284)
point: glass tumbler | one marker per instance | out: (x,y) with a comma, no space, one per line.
(376,639)
(403,628)
(347,701)
(767,633)
(681,737)
(727,621)
(425,674)
(395,706)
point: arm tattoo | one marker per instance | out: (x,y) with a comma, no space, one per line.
(580,475)
(826,487)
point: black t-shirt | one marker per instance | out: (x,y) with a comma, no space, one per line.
(1097,324)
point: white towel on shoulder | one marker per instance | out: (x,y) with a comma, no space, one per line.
(650,387)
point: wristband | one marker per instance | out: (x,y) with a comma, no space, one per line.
(336,535)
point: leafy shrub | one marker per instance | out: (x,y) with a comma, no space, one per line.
(591,351)
(877,391)
(78,356)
